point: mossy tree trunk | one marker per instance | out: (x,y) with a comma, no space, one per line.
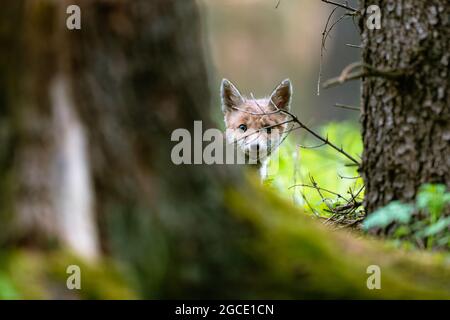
(406,121)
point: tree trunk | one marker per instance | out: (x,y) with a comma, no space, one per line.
(45,183)
(195,230)
(26,70)
(406,121)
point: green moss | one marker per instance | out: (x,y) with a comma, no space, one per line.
(300,258)
(26,274)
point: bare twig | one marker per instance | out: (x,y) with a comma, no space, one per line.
(256,113)
(357,194)
(344,106)
(354,46)
(345,15)
(353,12)
(326,141)
(296,120)
(348,178)
(322,49)
(347,206)
(365,70)
(343,6)
(318,189)
(313,147)
(264,128)
(309,205)
(260,108)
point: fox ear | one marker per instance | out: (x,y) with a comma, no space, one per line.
(281,96)
(231,97)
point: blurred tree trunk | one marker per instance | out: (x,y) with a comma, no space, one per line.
(27,128)
(406,121)
(133,74)
(45,190)
(138,73)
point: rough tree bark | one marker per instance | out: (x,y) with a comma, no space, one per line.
(406,122)
(133,74)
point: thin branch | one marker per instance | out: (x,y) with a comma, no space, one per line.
(260,108)
(301,125)
(344,106)
(264,128)
(319,189)
(343,6)
(357,194)
(345,15)
(255,113)
(354,46)
(340,80)
(309,205)
(313,147)
(350,165)
(340,150)
(314,183)
(348,206)
(322,49)
(365,70)
(348,178)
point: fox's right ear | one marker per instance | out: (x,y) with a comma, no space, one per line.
(230,95)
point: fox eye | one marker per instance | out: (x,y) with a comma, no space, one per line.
(269,130)
(243,127)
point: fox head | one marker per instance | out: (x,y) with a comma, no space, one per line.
(256,125)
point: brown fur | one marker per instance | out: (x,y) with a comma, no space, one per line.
(257,115)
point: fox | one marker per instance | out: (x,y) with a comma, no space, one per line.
(256,126)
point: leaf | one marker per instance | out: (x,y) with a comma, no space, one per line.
(437,227)
(395,211)
(402,231)
(433,198)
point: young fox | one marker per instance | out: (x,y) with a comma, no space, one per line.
(256,125)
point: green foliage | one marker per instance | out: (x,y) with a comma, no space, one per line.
(433,198)
(7,288)
(329,169)
(27,274)
(297,257)
(395,211)
(324,168)
(432,230)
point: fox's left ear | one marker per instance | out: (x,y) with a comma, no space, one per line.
(281,96)
(231,97)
